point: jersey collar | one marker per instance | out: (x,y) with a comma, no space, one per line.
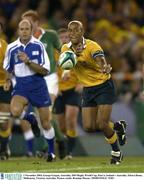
(21,44)
(84,43)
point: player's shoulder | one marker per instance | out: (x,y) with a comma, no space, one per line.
(36,41)
(13,44)
(66,47)
(50,32)
(92,44)
(3,45)
(3,42)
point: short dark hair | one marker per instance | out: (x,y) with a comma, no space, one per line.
(33,14)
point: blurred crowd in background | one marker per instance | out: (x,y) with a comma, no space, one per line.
(118,26)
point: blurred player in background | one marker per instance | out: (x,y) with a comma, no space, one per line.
(5,124)
(66,106)
(50,40)
(99,93)
(27,59)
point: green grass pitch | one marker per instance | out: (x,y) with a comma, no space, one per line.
(76,165)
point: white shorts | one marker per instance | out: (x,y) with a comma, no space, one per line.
(52,83)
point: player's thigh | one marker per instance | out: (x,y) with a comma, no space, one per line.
(72,102)
(103,114)
(17,104)
(71,116)
(89,115)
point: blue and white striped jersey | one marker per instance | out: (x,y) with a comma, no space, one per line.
(36,53)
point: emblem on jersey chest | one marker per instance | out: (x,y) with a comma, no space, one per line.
(34,53)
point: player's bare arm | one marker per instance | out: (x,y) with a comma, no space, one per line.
(35,67)
(105,67)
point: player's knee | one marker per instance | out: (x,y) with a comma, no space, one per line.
(102,125)
(46,125)
(16,112)
(63,129)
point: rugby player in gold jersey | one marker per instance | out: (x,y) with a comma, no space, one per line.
(66,106)
(5,96)
(99,93)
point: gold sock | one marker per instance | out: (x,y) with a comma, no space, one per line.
(111,125)
(71,133)
(112,139)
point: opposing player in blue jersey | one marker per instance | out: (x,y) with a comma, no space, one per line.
(28,61)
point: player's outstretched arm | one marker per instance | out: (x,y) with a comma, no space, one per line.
(105,67)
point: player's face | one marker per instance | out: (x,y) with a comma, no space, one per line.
(25,32)
(75,33)
(64,37)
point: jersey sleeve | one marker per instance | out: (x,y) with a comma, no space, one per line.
(96,50)
(44,59)
(56,41)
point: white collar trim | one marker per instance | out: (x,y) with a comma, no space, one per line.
(30,41)
(70,43)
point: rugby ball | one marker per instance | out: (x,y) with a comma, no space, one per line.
(67,60)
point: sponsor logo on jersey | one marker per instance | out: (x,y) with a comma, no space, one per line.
(35,53)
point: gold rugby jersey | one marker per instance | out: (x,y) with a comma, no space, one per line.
(3,46)
(87,69)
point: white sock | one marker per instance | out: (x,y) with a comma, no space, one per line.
(49,134)
(28,135)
